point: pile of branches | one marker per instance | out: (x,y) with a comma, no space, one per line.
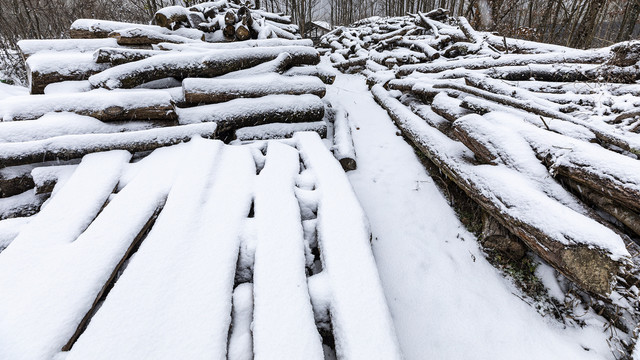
(544,138)
(140,87)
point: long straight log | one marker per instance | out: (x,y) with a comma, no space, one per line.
(209,64)
(234,45)
(277,65)
(118,56)
(95,29)
(487,140)
(138,37)
(47,68)
(327,75)
(591,261)
(25,204)
(210,91)
(625,141)
(279,131)
(102,105)
(239,113)
(566,73)
(343,147)
(579,56)
(30,47)
(75,146)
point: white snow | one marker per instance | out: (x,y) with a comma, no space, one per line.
(444,304)
(256,86)
(240,338)
(64,63)
(10,228)
(279,130)
(7,90)
(49,280)
(95,101)
(32,46)
(58,124)
(174,299)
(82,142)
(361,321)
(271,104)
(283,324)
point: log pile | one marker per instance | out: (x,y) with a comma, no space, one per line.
(544,138)
(139,87)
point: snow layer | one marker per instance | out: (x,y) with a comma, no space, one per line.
(7,90)
(361,321)
(240,337)
(283,324)
(64,63)
(112,78)
(445,304)
(271,104)
(279,130)
(256,86)
(510,192)
(49,280)
(98,142)
(235,45)
(24,204)
(9,230)
(32,46)
(58,124)
(173,301)
(96,101)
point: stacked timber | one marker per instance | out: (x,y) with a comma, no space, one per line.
(134,87)
(544,138)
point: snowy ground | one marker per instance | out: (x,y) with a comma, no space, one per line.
(447,301)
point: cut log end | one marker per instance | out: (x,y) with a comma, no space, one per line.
(348,164)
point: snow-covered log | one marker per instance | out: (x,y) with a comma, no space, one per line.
(167,16)
(203,46)
(629,142)
(45,178)
(140,37)
(24,204)
(30,47)
(240,113)
(75,146)
(327,75)
(240,336)
(117,56)
(609,180)
(577,56)
(57,124)
(15,180)
(209,91)
(283,324)
(210,190)
(362,324)
(95,29)
(279,130)
(100,104)
(588,253)
(209,64)
(47,68)
(277,65)
(343,148)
